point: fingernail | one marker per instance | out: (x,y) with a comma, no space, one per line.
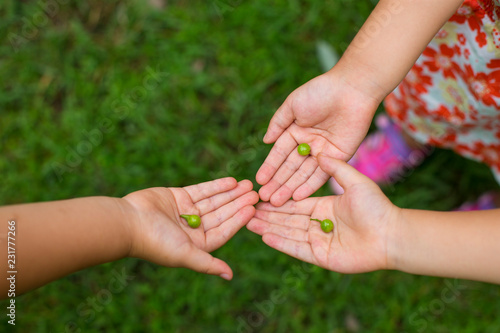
(225,276)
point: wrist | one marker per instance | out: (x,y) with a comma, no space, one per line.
(127,217)
(396,239)
(360,79)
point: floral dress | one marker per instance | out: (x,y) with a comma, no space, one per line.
(451,96)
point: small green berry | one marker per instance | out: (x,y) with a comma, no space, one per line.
(327,225)
(304,149)
(193,221)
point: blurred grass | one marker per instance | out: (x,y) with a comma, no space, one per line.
(225,66)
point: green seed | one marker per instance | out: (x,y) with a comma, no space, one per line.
(326,224)
(193,221)
(304,149)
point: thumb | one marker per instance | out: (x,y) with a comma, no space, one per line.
(203,262)
(343,173)
(279,122)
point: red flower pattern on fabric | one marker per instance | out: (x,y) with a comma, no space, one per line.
(441,60)
(451,96)
(491,10)
(471,13)
(489,152)
(418,80)
(484,86)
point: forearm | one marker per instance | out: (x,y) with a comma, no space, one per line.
(390,41)
(449,244)
(54,239)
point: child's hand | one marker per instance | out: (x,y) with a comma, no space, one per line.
(363,221)
(328,114)
(160,235)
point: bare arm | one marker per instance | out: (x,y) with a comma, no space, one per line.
(463,245)
(54,239)
(370,233)
(333,111)
(390,41)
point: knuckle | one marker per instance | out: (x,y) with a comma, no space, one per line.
(302,174)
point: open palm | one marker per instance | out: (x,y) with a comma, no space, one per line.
(361,219)
(160,235)
(329,115)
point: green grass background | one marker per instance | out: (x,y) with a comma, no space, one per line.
(226,66)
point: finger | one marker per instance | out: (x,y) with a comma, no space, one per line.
(285,171)
(300,176)
(343,173)
(203,262)
(214,202)
(289,220)
(317,179)
(279,122)
(296,249)
(303,207)
(205,190)
(281,149)
(261,227)
(219,216)
(219,236)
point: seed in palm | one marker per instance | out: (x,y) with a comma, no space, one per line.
(304,149)
(326,225)
(193,221)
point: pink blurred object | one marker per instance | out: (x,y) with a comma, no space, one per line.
(384,156)
(484,202)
